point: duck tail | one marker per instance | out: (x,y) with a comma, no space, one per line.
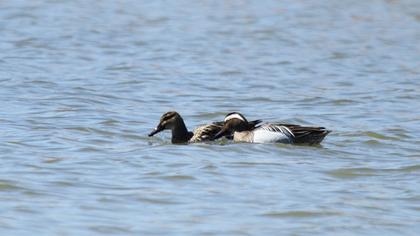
(308,135)
(312,137)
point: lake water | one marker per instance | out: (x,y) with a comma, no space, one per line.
(84,82)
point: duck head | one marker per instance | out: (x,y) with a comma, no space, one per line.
(235,121)
(167,121)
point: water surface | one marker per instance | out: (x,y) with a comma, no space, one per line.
(83,82)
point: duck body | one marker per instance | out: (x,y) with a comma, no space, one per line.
(271,132)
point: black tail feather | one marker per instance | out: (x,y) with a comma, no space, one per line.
(307,135)
(253,124)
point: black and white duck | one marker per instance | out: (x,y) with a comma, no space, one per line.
(236,124)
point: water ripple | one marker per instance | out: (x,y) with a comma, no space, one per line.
(299,214)
(80,94)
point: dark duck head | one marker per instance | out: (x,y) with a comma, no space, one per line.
(173,121)
(236,122)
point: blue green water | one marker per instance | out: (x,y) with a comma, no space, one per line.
(82,83)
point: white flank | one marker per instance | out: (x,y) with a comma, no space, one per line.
(233,116)
(262,135)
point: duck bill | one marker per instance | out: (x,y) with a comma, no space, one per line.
(221,133)
(156,130)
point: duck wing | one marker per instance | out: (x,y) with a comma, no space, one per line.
(306,134)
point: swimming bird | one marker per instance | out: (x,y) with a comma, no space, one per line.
(237,124)
(180,134)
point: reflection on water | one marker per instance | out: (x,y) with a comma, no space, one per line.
(82,83)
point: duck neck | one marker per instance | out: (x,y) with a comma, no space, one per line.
(180,133)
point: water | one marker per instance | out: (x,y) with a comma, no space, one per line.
(83,82)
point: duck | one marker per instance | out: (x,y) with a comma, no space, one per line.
(173,121)
(235,123)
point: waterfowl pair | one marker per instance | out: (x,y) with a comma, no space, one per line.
(237,124)
(180,134)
